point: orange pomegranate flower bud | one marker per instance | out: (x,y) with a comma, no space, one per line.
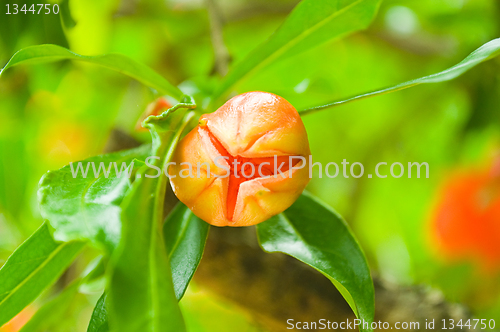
(155,108)
(243,163)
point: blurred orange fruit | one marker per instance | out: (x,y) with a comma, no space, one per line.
(467,219)
(252,155)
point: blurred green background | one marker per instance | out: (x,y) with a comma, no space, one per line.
(52,114)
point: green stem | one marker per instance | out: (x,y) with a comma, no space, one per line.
(165,151)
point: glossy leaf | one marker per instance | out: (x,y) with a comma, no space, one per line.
(311,23)
(99,319)
(141,293)
(483,53)
(88,207)
(316,235)
(32,268)
(117,62)
(185,235)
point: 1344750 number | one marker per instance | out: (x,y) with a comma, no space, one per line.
(33,9)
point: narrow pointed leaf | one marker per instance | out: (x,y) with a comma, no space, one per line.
(483,53)
(185,235)
(99,318)
(32,268)
(311,23)
(141,295)
(48,317)
(117,62)
(316,235)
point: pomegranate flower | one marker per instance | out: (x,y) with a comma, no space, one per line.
(243,163)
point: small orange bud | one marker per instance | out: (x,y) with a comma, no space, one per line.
(155,108)
(243,163)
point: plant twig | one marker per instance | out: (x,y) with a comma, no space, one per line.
(221,53)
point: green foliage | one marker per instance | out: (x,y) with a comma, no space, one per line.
(316,235)
(141,293)
(311,23)
(150,266)
(33,267)
(66,18)
(51,313)
(88,207)
(185,235)
(99,319)
(483,53)
(117,62)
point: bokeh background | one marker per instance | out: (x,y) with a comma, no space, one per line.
(415,232)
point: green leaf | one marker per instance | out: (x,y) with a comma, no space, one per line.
(185,235)
(48,317)
(311,23)
(99,319)
(117,62)
(483,53)
(141,293)
(50,314)
(33,267)
(88,207)
(316,235)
